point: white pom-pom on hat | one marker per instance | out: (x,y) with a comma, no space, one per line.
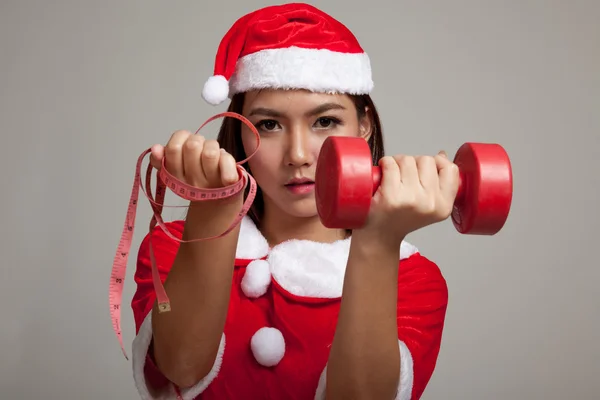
(268,346)
(216,90)
(257,278)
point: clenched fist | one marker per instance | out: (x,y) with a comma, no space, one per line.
(414,192)
(196,161)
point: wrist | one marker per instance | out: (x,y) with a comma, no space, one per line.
(213,217)
(378,240)
(375,243)
(222,205)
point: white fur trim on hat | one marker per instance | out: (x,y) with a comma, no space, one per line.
(216,90)
(322,70)
(268,346)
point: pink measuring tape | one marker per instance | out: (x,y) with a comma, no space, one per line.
(165,179)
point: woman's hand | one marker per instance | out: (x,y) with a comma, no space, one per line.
(196,161)
(414,192)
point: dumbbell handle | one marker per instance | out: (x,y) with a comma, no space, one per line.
(377,181)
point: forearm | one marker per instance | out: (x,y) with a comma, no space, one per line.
(186,339)
(364,362)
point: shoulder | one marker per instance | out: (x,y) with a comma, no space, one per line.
(163,242)
(164,250)
(419,266)
(174,228)
(420,276)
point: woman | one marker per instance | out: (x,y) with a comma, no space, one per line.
(282,307)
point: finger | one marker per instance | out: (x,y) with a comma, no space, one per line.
(391,180)
(443,153)
(441,161)
(173,153)
(210,162)
(227,169)
(156,156)
(449,177)
(192,170)
(428,172)
(408,171)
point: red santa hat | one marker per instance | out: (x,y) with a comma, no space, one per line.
(289,46)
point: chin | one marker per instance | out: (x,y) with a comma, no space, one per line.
(302,213)
(305,208)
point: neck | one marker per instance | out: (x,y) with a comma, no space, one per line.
(277,227)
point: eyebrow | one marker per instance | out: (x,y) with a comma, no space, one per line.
(315,111)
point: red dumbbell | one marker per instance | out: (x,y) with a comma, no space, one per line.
(346,181)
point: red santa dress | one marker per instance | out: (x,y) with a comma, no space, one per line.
(282,316)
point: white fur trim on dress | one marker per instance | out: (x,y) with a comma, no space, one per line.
(407,376)
(311,269)
(405,384)
(140,347)
(319,70)
(251,243)
(303,267)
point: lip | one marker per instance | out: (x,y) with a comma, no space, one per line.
(299,181)
(300,186)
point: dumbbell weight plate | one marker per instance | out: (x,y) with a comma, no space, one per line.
(485,196)
(344,182)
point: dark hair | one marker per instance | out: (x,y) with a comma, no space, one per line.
(230,133)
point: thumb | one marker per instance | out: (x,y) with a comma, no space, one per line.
(441,160)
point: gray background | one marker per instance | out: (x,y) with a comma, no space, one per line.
(86,86)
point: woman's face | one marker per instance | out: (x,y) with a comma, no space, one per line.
(293,125)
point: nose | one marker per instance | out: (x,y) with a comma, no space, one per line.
(299,149)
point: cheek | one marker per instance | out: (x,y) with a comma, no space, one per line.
(316,145)
(351,129)
(250,142)
(266,161)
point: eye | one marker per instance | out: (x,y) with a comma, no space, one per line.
(267,125)
(327,122)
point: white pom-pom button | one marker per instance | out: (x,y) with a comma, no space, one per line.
(216,89)
(268,346)
(257,278)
